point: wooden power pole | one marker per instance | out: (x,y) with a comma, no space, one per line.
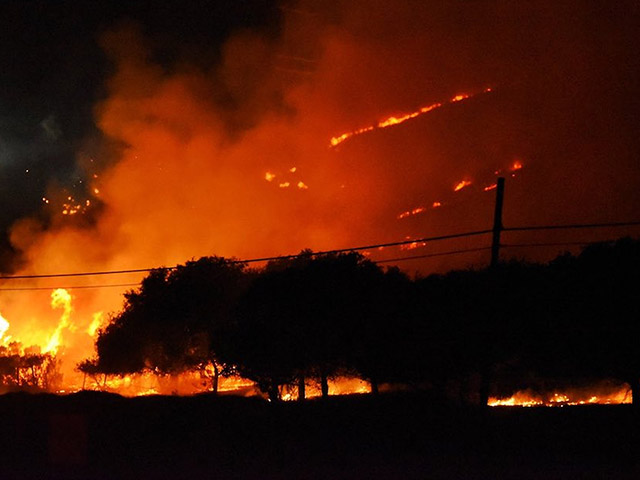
(497,223)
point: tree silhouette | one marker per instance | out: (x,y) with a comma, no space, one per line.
(177,321)
(301,318)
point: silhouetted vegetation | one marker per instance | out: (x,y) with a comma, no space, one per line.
(465,334)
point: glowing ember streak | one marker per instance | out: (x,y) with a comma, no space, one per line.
(302,186)
(412,245)
(4,326)
(398,119)
(60,298)
(460,185)
(284,185)
(408,213)
(491,187)
(436,205)
(269,176)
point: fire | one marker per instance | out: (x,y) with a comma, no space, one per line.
(490,187)
(269,176)
(607,395)
(60,298)
(96,323)
(436,205)
(4,326)
(517,165)
(398,119)
(302,186)
(415,211)
(461,184)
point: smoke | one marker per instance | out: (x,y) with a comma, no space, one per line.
(234,159)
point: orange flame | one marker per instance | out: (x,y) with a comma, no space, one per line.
(599,396)
(460,185)
(398,119)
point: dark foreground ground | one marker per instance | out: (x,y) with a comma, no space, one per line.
(91,435)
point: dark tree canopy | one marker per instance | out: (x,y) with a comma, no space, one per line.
(178,320)
(313,317)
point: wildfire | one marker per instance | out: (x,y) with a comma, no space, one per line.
(96,322)
(597,396)
(4,326)
(398,119)
(60,298)
(461,184)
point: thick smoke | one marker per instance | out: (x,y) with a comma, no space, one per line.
(234,159)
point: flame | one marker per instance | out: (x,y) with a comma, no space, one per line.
(60,298)
(284,185)
(96,322)
(461,184)
(598,395)
(269,176)
(4,326)
(415,211)
(436,205)
(517,165)
(398,119)
(302,186)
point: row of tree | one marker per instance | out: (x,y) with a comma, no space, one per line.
(315,317)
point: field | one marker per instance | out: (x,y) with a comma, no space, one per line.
(94,435)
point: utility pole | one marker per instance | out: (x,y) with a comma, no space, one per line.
(497,223)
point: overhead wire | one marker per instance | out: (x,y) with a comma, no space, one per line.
(334,251)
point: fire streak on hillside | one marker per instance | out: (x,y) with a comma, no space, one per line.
(394,120)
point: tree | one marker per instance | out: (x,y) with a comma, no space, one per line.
(177,321)
(300,319)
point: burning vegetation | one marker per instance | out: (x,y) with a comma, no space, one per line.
(311,325)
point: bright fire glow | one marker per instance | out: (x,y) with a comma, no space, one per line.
(4,326)
(597,395)
(461,184)
(60,298)
(401,118)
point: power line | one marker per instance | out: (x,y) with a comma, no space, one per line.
(253,260)
(552,244)
(429,255)
(571,226)
(341,250)
(69,287)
